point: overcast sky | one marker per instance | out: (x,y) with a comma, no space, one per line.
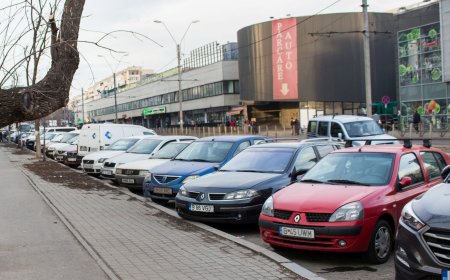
(218,21)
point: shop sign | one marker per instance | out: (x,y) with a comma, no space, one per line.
(154,111)
(284,59)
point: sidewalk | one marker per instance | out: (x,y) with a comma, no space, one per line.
(131,239)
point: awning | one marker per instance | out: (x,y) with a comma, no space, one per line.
(235,111)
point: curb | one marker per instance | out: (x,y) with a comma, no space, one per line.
(282,261)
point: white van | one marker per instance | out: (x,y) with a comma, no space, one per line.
(348,127)
(58,129)
(98,136)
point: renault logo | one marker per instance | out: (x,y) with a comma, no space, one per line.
(202,196)
(297,218)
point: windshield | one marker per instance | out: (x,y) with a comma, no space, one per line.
(265,160)
(73,140)
(48,136)
(122,144)
(170,150)
(363,128)
(57,138)
(145,146)
(212,151)
(370,169)
(68,137)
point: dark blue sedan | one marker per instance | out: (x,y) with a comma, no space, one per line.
(236,193)
(201,157)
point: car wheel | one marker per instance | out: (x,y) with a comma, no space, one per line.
(159,201)
(380,246)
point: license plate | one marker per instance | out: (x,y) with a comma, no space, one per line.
(83,148)
(445,274)
(106,172)
(297,232)
(128,181)
(88,165)
(162,190)
(201,208)
(71,159)
(59,157)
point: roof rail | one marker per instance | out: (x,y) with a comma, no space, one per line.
(407,142)
(322,139)
(276,140)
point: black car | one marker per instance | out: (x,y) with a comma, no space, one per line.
(423,237)
(236,192)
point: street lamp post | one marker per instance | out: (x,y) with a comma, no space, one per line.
(178,45)
(114,82)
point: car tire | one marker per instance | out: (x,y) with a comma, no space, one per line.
(381,242)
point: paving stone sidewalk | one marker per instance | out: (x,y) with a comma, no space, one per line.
(133,240)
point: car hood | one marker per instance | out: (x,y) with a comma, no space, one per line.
(433,208)
(102,154)
(128,157)
(68,148)
(145,164)
(229,180)
(58,146)
(319,198)
(182,168)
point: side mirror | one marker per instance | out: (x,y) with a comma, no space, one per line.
(340,135)
(445,172)
(295,173)
(405,181)
(216,167)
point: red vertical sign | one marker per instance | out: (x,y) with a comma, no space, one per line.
(284,59)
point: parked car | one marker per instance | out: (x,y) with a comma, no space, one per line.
(132,174)
(62,150)
(31,144)
(142,150)
(56,138)
(236,193)
(198,159)
(423,236)
(50,150)
(351,200)
(92,163)
(347,127)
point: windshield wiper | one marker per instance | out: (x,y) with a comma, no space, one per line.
(248,170)
(312,181)
(200,159)
(347,182)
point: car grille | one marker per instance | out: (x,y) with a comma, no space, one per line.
(109,164)
(130,172)
(439,244)
(193,194)
(164,179)
(282,214)
(216,196)
(88,161)
(71,154)
(317,217)
(60,152)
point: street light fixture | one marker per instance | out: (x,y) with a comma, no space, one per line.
(180,95)
(114,81)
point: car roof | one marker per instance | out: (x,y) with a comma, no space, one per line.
(292,145)
(342,118)
(231,138)
(169,137)
(386,148)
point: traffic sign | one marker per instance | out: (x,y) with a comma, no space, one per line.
(385,100)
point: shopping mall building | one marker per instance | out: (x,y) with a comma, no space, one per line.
(302,67)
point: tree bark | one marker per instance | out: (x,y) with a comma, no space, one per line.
(52,92)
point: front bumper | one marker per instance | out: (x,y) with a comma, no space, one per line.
(326,237)
(148,190)
(224,212)
(413,258)
(59,157)
(72,160)
(108,173)
(92,168)
(130,181)
(49,153)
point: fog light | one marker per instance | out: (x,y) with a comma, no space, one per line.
(265,233)
(342,243)
(239,216)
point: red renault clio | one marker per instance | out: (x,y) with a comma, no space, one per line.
(351,200)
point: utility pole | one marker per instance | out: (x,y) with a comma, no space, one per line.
(82,104)
(367,73)
(115,96)
(180,94)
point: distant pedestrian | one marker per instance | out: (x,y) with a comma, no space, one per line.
(416,121)
(297,127)
(1,136)
(292,126)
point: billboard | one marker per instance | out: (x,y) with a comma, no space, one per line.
(284,59)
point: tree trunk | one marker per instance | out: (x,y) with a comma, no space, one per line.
(52,92)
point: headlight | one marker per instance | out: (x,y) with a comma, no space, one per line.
(267,208)
(241,194)
(101,160)
(410,218)
(148,176)
(118,171)
(182,191)
(189,178)
(144,173)
(349,212)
